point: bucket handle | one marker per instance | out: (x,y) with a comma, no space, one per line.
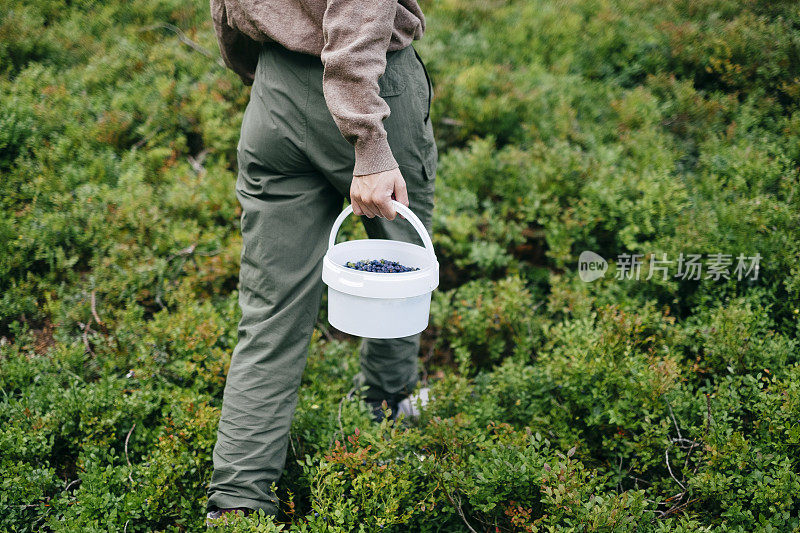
(403,210)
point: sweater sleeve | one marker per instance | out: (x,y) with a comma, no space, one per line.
(357,35)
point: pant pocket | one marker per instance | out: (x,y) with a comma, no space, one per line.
(391,83)
(430,162)
(428,85)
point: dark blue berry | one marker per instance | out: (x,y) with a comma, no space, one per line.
(383,266)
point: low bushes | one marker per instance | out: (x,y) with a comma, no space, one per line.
(622,404)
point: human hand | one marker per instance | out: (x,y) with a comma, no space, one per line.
(371,195)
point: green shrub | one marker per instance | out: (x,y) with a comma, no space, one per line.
(632,127)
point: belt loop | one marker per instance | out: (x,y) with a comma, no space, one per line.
(428,79)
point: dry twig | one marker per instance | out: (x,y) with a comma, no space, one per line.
(458,508)
(339,416)
(128,459)
(447,121)
(86,329)
(141,142)
(666,455)
(325,331)
(677,508)
(671,414)
(190,252)
(71,483)
(184,39)
(197,162)
(93,304)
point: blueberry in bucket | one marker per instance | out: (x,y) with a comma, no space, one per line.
(379,265)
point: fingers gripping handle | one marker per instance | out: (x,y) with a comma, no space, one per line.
(403,210)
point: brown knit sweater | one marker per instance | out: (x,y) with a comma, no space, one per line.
(350,36)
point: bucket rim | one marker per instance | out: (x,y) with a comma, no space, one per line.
(429,263)
(376,284)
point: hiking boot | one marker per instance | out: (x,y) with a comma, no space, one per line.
(220,517)
(378,405)
(411,406)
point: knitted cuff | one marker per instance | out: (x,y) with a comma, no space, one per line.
(372,156)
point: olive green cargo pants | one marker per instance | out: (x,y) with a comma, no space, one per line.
(295,170)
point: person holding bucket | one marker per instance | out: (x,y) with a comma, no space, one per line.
(339,108)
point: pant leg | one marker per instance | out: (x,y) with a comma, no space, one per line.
(288,209)
(388,366)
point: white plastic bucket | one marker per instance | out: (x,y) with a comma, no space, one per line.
(380,305)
